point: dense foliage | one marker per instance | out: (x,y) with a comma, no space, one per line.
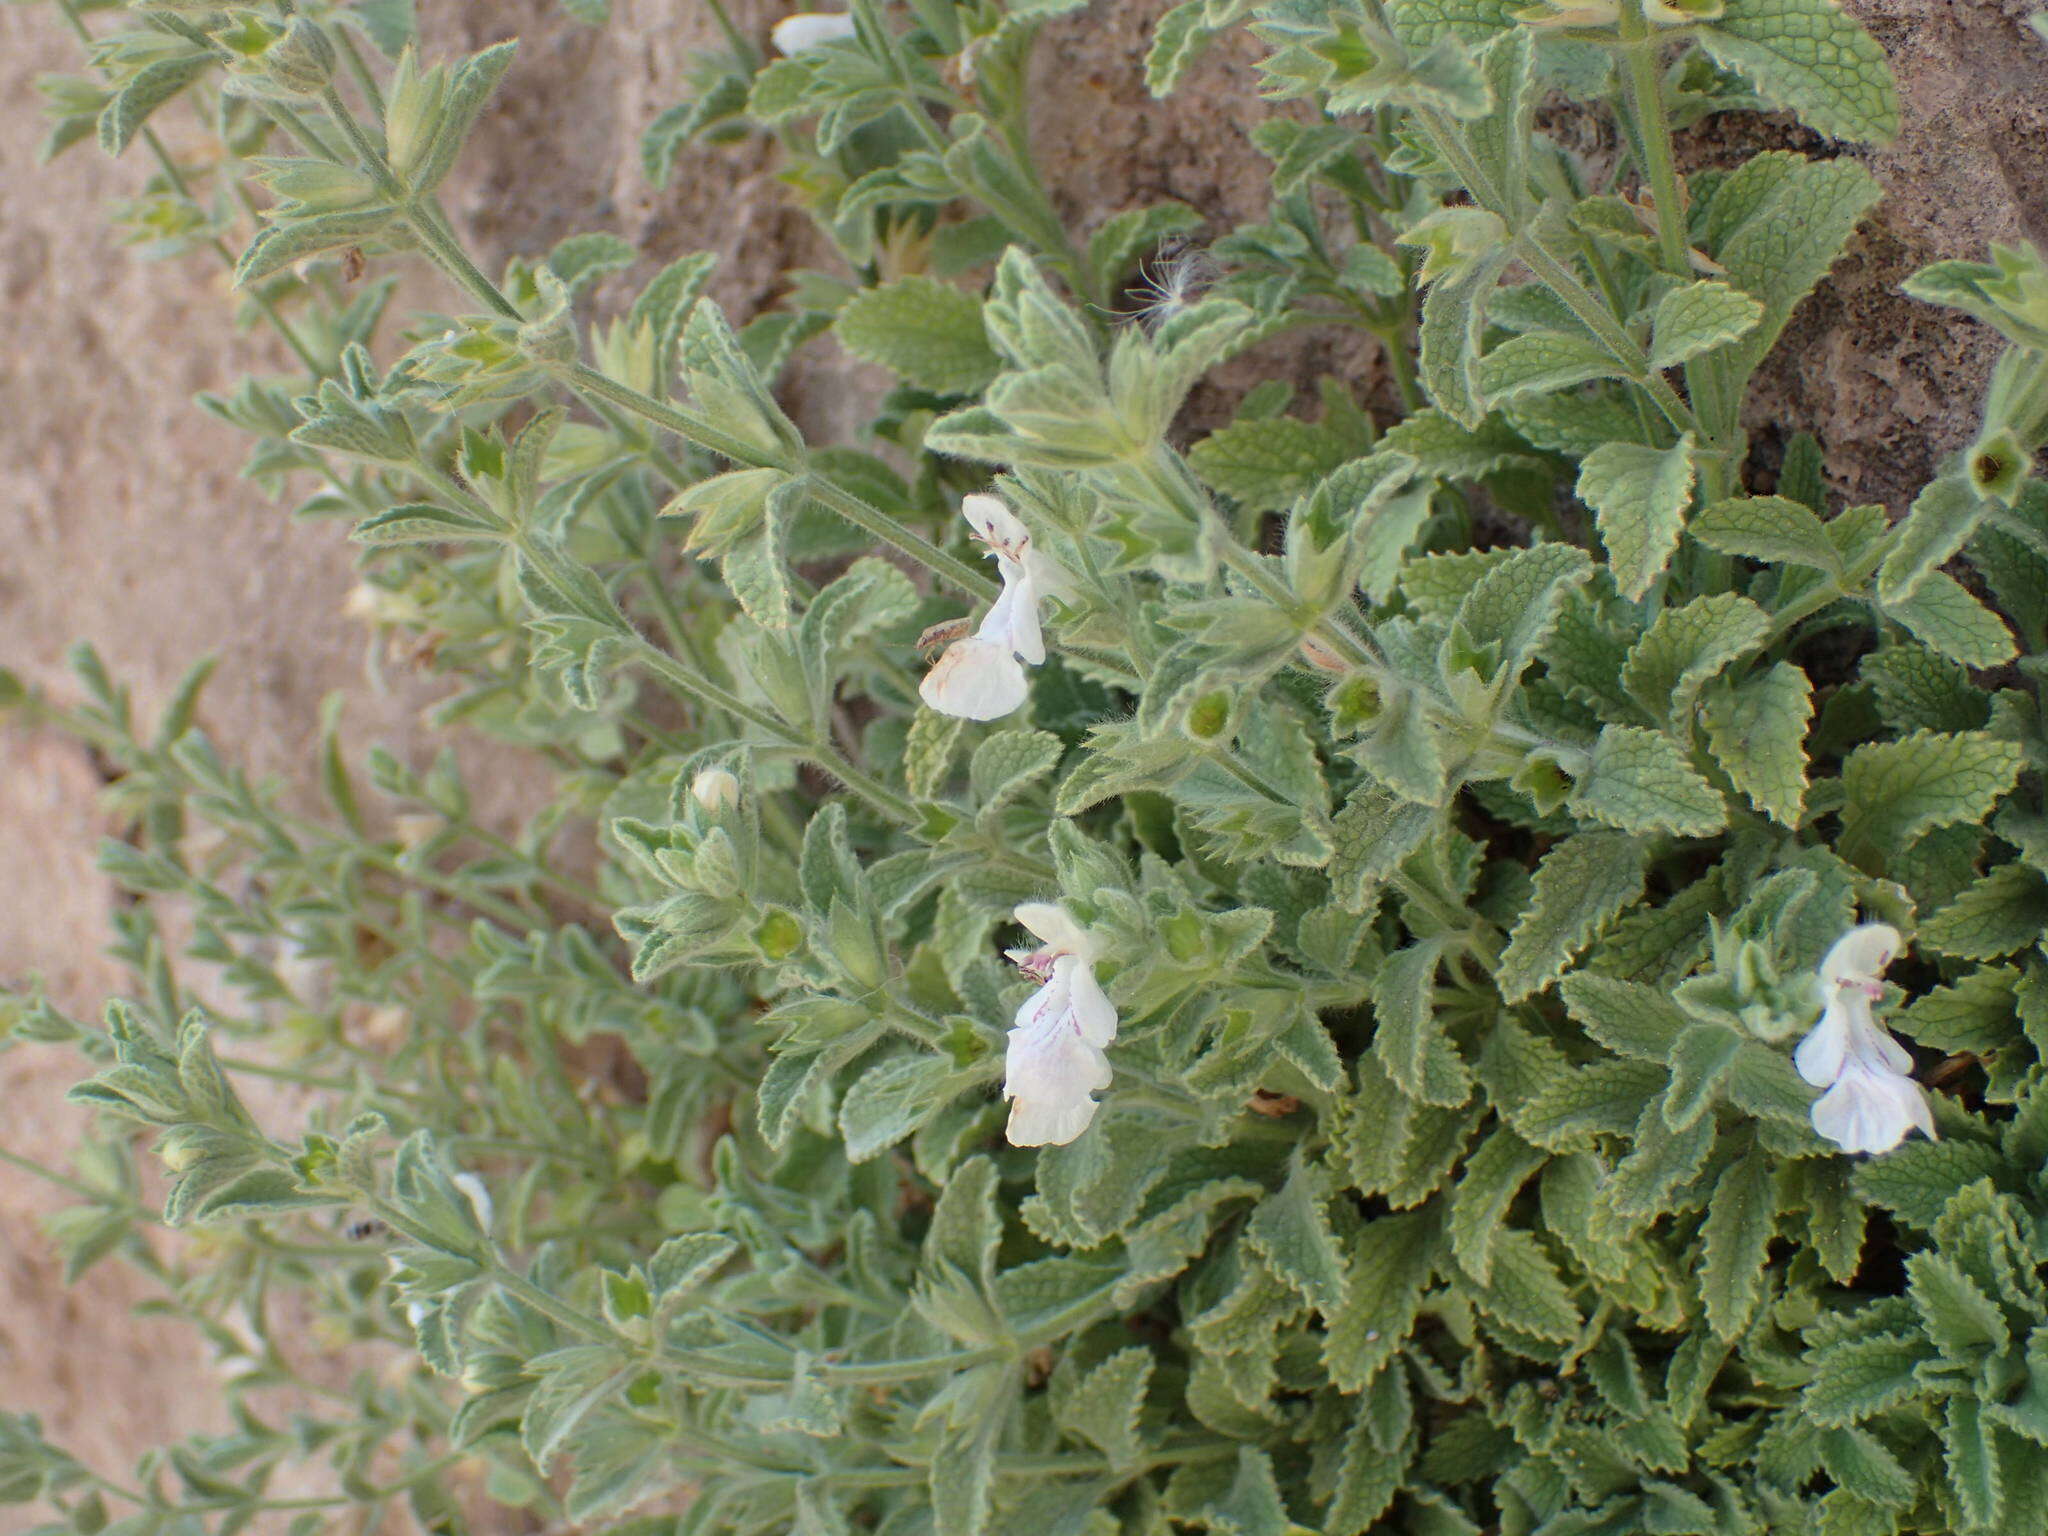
(1455,811)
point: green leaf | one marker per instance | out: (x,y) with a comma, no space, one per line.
(893,1099)
(1525,1291)
(2003,911)
(1943,615)
(1735,1239)
(1861,1378)
(1972,1457)
(1686,647)
(1104,1406)
(1291,1232)
(1632,1020)
(929,333)
(1860,1462)
(1961,1321)
(1581,883)
(1791,218)
(151,87)
(1943,517)
(1808,56)
(281,244)
(581,260)
(1542,363)
(1491,1179)
(1896,790)
(1453,320)
(419,523)
(1700,1059)
(1757,733)
(1265,465)
(1178,38)
(1375,831)
(1410,1044)
(1698,318)
(1389,1266)
(1639,781)
(1638,496)
(1767,528)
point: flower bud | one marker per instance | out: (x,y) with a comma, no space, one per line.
(807,29)
(715,790)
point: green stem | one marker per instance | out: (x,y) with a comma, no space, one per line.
(1554,274)
(869,519)
(1640,50)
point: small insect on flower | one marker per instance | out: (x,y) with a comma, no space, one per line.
(1178,274)
(363,1230)
(809,29)
(940,635)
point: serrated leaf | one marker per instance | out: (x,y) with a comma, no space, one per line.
(1453,319)
(1409,1043)
(1698,318)
(1700,1058)
(1768,528)
(1291,1232)
(419,523)
(1971,1454)
(1896,790)
(1858,1461)
(1794,217)
(1491,1179)
(1542,363)
(891,1100)
(1388,1268)
(2003,911)
(1631,1020)
(1940,522)
(1808,56)
(1104,1407)
(281,244)
(1265,465)
(122,118)
(1638,780)
(1757,733)
(1686,647)
(928,332)
(1861,1378)
(1581,883)
(1735,1239)
(1943,615)
(1526,1292)
(1638,496)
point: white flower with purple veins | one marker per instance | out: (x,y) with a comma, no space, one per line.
(807,29)
(982,677)
(1055,1062)
(1871,1100)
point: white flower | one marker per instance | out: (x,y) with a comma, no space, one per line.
(982,677)
(807,29)
(715,790)
(1055,1061)
(1871,1100)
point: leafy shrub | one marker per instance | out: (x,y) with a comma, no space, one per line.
(1439,834)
